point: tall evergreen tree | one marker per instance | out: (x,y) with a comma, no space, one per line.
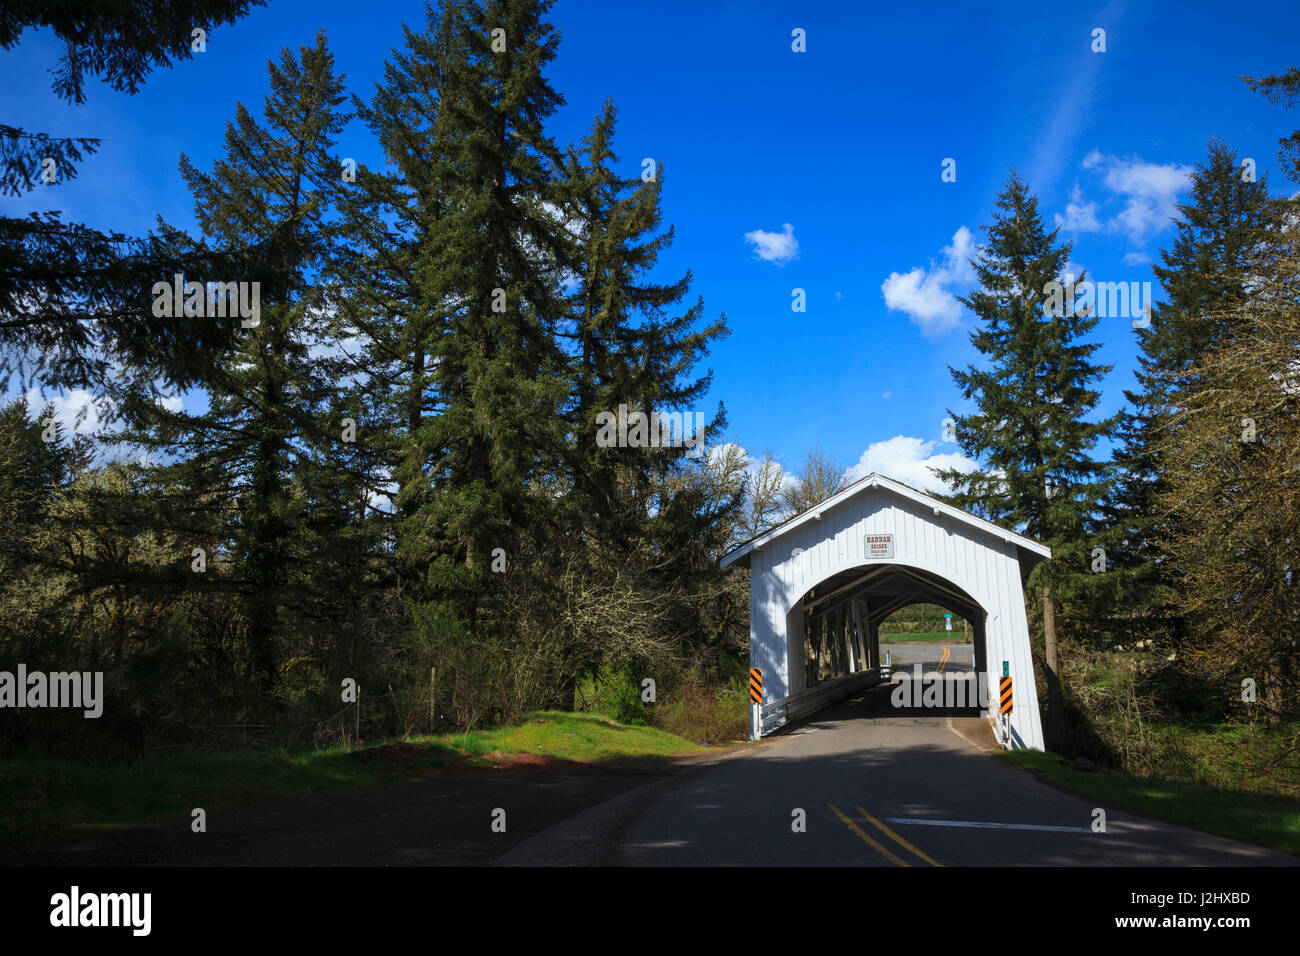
(385,245)
(632,351)
(1230,448)
(625,347)
(273,423)
(1030,431)
(1231,491)
(1203,279)
(492,265)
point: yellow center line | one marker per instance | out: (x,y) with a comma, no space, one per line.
(884,851)
(947,653)
(896,838)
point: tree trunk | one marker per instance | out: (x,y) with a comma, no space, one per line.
(1053,730)
(1273,709)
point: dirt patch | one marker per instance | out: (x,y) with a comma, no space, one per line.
(405,758)
(502,761)
(442,817)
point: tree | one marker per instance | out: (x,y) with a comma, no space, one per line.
(631,350)
(1232,491)
(1203,279)
(764,490)
(32,470)
(384,245)
(463,316)
(265,444)
(1030,431)
(1282,89)
(497,370)
(73,304)
(1230,444)
(819,477)
(624,349)
(123,42)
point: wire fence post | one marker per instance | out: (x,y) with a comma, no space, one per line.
(433,691)
(358,734)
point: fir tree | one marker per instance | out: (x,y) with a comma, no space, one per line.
(1229,450)
(385,244)
(73,305)
(273,420)
(1202,278)
(1029,431)
(492,263)
(625,347)
(637,515)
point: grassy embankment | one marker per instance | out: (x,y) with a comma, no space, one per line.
(935,637)
(1222,778)
(41,795)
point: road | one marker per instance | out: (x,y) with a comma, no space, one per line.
(873,785)
(929,656)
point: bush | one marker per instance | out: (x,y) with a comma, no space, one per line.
(704,711)
(616,693)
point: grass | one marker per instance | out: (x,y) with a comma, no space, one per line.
(45,797)
(1225,756)
(933,637)
(581,737)
(1270,820)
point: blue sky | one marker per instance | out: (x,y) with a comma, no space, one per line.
(844,142)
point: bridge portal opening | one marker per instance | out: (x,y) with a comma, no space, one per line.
(839,630)
(834,628)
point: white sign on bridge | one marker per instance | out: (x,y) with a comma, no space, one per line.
(880,546)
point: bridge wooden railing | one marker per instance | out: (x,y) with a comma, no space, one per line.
(769,716)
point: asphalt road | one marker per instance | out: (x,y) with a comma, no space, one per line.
(929,656)
(879,789)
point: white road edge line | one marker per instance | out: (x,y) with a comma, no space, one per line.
(988,826)
(974,743)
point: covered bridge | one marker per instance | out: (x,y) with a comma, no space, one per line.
(822,582)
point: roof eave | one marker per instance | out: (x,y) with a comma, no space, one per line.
(870,481)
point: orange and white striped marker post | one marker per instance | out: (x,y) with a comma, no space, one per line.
(1006,698)
(755,702)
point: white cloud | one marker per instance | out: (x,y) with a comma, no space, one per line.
(778,247)
(925,296)
(909,460)
(1079,215)
(1071,271)
(75,411)
(1149,192)
(1135,258)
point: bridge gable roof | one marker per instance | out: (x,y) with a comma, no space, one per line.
(1028,548)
